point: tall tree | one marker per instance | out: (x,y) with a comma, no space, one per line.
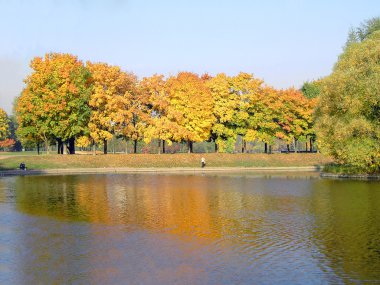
(140,112)
(110,101)
(6,141)
(264,110)
(364,31)
(348,113)
(4,124)
(32,119)
(161,127)
(248,91)
(296,116)
(190,107)
(226,103)
(56,98)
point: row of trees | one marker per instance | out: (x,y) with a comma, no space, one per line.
(71,103)
(68,101)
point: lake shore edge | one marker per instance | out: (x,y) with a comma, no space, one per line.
(125,170)
(350,176)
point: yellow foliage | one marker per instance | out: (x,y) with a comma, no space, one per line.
(111,101)
(4,124)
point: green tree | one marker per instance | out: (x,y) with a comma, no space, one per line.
(348,113)
(311,89)
(365,30)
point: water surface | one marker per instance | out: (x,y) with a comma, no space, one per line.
(189,229)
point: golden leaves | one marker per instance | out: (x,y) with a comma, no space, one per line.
(4,124)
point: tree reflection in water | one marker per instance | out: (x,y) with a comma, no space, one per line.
(198,229)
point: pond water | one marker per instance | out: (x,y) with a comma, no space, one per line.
(243,228)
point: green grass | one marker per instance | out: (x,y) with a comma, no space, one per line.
(336,168)
(164,160)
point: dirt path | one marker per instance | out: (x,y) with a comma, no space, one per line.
(5,156)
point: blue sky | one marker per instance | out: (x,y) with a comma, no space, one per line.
(283,42)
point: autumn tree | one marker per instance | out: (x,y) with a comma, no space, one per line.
(160,127)
(190,107)
(32,120)
(110,102)
(4,124)
(54,103)
(348,113)
(226,104)
(264,112)
(5,141)
(249,118)
(296,117)
(140,111)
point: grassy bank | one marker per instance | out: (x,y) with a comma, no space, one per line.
(335,168)
(164,160)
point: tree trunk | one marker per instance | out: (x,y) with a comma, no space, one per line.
(135,146)
(190,146)
(295,145)
(216,147)
(59,146)
(265,148)
(47,146)
(72,146)
(64,150)
(38,148)
(126,146)
(93,148)
(159,146)
(163,146)
(270,149)
(105,146)
(288,147)
(306,147)
(311,145)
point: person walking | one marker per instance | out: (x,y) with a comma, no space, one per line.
(203,162)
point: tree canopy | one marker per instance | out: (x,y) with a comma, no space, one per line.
(4,124)
(54,103)
(348,113)
(311,89)
(364,31)
(190,107)
(65,100)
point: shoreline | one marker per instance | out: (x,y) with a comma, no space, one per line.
(350,176)
(125,170)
